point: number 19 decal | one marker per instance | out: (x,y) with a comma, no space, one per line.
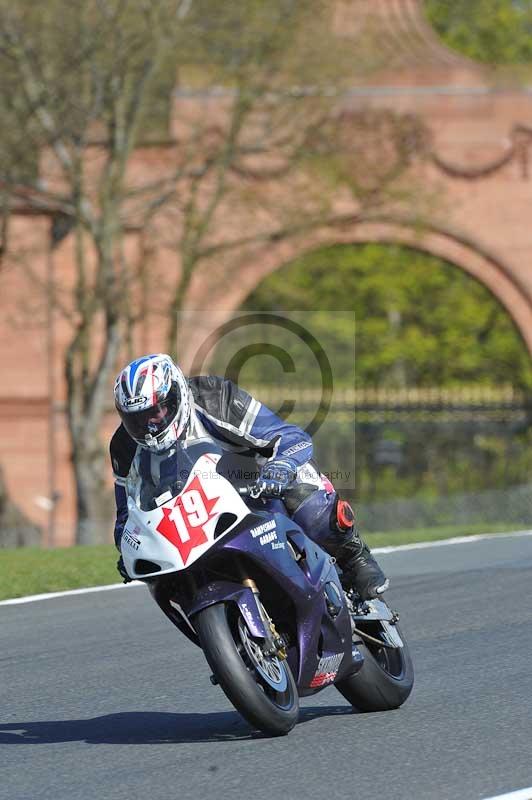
(183,524)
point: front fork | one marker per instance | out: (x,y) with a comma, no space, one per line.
(274,644)
(245,594)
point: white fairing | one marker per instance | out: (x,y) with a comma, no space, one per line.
(181,529)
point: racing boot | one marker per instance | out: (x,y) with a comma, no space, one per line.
(360,570)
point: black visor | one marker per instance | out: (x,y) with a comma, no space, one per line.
(154,420)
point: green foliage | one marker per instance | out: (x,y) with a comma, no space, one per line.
(439,455)
(419,320)
(282,43)
(493,31)
(66,68)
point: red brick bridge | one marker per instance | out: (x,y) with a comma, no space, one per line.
(481,131)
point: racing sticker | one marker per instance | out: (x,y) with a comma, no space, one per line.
(131,540)
(264,528)
(183,524)
(328,667)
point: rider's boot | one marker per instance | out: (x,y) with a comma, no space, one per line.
(360,570)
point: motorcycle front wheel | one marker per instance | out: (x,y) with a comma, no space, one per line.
(261,687)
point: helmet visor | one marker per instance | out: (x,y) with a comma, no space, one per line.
(151,421)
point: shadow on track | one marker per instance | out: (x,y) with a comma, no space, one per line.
(147,727)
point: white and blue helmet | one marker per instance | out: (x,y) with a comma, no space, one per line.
(152,398)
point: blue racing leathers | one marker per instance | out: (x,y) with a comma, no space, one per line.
(224,411)
(227,413)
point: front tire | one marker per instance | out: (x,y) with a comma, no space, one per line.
(385,680)
(260,687)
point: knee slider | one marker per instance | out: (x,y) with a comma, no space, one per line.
(342,517)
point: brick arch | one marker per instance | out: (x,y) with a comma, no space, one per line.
(454,246)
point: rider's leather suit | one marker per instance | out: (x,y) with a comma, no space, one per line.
(225,412)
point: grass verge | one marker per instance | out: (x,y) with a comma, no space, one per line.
(29,570)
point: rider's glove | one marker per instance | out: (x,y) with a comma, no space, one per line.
(276,476)
(122,570)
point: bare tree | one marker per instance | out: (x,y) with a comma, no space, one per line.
(258,135)
(280,151)
(78,79)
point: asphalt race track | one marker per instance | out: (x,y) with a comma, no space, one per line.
(101,698)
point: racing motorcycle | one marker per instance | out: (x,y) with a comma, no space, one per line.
(264,602)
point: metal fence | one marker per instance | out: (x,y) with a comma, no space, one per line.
(413,458)
(508,507)
(425,457)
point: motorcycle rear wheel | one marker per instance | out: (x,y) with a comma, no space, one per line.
(260,687)
(385,680)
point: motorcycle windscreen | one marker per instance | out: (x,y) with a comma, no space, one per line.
(163,476)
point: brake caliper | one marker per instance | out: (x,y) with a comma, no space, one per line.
(280,644)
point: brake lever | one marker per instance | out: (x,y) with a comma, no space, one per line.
(253,491)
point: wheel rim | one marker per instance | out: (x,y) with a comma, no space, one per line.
(269,672)
(268,667)
(390,660)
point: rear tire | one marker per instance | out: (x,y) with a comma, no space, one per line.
(229,649)
(379,686)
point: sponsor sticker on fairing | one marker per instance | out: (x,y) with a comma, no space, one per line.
(131,540)
(268,537)
(264,528)
(327,671)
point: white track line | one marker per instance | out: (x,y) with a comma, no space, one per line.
(383,550)
(521,794)
(444,542)
(32,598)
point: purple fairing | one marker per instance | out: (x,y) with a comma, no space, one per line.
(323,638)
(297,581)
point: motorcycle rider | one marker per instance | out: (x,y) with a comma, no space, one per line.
(158,407)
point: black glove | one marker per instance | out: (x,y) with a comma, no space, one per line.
(276,476)
(122,570)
